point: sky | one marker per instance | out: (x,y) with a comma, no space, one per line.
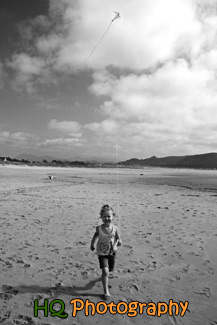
(76,84)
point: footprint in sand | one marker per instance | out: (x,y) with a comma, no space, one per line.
(134,289)
(8,293)
(205,292)
(175,320)
(23,320)
(178,255)
(185,269)
(152,267)
(80,243)
(4,316)
(211,270)
(6,296)
(8,264)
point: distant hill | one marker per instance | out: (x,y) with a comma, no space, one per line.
(203,161)
(208,160)
(31,158)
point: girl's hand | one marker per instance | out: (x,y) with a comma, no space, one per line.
(92,247)
(118,243)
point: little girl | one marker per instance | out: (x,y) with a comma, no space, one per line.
(108,239)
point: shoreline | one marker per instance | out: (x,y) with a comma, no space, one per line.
(108,167)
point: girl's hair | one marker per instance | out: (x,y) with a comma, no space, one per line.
(104,208)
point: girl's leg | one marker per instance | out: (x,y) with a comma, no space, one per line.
(105,274)
(111,265)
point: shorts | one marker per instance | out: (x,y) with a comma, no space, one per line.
(107,261)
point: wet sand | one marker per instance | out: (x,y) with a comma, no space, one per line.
(168,225)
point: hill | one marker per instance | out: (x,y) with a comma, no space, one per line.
(203,161)
(207,161)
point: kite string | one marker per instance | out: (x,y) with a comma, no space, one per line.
(98,42)
(116,147)
(117,170)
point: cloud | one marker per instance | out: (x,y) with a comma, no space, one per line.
(148,33)
(26,69)
(174,105)
(3,136)
(15,139)
(71,127)
(61,142)
(49,103)
(49,44)
(2,75)
(104,82)
(26,141)
(104,127)
(26,64)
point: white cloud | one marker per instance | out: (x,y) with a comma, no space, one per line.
(20,138)
(103,84)
(3,136)
(61,142)
(174,106)
(26,64)
(71,127)
(26,69)
(104,127)
(146,35)
(23,141)
(49,44)
(149,32)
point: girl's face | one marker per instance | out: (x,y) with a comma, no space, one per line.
(107,217)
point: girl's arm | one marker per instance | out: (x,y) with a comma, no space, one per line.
(118,238)
(93,241)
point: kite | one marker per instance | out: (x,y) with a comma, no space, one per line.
(117,16)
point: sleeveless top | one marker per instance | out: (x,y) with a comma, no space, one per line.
(105,241)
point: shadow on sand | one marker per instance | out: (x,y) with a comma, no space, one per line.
(74,291)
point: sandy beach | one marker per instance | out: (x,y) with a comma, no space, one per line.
(168,225)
